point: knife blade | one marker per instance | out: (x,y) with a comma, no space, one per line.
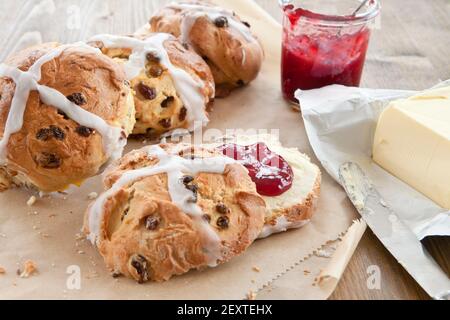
(401,242)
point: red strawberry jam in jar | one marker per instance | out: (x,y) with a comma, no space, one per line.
(268,170)
(324,43)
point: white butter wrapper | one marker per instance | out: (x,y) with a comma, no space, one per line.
(340,122)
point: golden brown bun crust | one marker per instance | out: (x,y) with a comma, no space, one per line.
(53,161)
(174,246)
(302,211)
(164,110)
(234,61)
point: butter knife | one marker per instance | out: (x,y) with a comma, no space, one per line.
(401,242)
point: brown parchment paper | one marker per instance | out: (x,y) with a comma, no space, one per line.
(47,232)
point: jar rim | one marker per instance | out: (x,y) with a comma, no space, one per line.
(373,10)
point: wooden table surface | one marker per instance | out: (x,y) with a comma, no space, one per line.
(409,50)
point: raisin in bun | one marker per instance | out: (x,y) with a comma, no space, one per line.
(219,36)
(172,84)
(65,110)
(171,208)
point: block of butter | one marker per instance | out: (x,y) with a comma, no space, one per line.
(412,142)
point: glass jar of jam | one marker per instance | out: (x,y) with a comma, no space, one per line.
(324,43)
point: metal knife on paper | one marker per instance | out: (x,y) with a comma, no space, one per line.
(393,233)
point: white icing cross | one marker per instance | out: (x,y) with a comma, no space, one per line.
(194,11)
(29,81)
(176,168)
(187,87)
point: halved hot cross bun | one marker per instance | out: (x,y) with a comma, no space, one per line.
(171,208)
(172,85)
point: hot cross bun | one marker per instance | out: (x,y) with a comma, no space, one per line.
(64,111)
(171,208)
(226,42)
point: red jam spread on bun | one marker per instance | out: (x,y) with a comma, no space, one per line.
(268,170)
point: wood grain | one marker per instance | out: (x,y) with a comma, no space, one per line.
(409,50)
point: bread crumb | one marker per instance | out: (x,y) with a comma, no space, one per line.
(92,195)
(79,236)
(92,274)
(322,279)
(31,201)
(251,295)
(29,268)
(81,252)
(2,270)
(306,272)
(256,269)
